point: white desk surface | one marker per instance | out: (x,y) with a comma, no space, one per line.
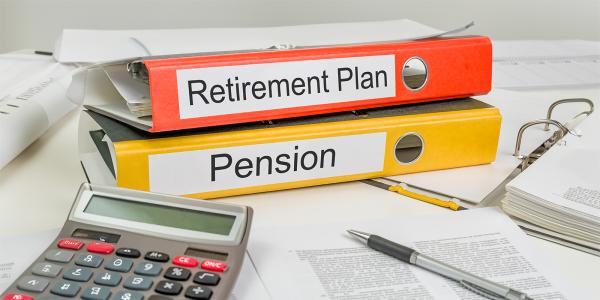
(37,189)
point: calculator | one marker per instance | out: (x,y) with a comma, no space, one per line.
(123,244)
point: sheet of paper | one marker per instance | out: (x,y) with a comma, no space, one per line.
(30,101)
(543,64)
(323,262)
(15,258)
(106,45)
(517,108)
(566,177)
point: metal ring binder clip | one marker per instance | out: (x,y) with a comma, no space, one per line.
(537,153)
(572,100)
(138,70)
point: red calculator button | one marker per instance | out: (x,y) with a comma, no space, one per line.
(102,248)
(12,296)
(213,265)
(185,261)
(70,244)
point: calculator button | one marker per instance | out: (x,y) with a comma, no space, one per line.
(96,293)
(70,244)
(107,278)
(157,256)
(58,255)
(213,265)
(46,269)
(185,261)
(102,248)
(198,292)
(78,274)
(138,283)
(207,278)
(147,268)
(119,265)
(127,295)
(128,252)
(32,284)
(13,296)
(168,287)
(177,273)
(89,260)
(66,289)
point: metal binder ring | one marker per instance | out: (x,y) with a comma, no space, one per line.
(563,131)
(572,100)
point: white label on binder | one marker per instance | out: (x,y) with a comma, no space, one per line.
(257,87)
(208,170)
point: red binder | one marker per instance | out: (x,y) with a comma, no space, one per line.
(201,91)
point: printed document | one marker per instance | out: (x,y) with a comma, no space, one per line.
(324,262)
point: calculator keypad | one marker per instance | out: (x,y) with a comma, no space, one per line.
(168,287)
(140,283)
(58,255)
(96,293)
(128,252)
(66,289)
(119,264)
(46,269)
(78,274)
(32,284)
(89,260)
(96,276)
(108,278)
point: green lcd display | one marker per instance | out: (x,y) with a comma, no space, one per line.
(161,215)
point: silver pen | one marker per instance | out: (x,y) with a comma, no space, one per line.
(481,286)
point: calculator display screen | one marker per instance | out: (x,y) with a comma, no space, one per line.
(161,215)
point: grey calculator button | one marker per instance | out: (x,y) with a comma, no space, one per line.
(127,295)
(96,293)
(89,260)
(78,274)
(119,264)
(148,268)
(32,284)
(59,255)
(108,278)
(48,298)
(46,269)
(66,289)
(138,283)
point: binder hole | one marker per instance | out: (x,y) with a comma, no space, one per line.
(414,73)
(409,148)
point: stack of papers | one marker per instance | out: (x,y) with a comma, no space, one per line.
(546,64)
(558,196)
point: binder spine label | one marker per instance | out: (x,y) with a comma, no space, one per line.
(211,91)
(262,164)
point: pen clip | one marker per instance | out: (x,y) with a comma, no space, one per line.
(481,291)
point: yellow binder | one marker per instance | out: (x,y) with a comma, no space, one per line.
(259,157)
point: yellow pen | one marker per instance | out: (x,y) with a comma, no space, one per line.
(398,188)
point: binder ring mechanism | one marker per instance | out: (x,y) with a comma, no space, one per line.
(527,160)
(573,100)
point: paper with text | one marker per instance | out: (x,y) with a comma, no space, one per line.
(323,262)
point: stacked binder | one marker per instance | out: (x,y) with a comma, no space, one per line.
(227,124)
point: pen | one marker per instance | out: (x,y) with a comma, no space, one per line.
(472,282)
(398,188)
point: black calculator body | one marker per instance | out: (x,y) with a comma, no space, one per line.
(131,245)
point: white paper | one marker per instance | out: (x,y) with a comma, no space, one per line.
(31,101)
(19,252)
(199,171)
(543,64)
(105,45)
(323,262)
(517,108)
(561,190)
